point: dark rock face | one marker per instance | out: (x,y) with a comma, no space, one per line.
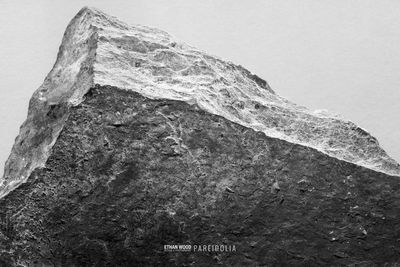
(128,175)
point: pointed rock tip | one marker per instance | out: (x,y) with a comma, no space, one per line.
(90,10)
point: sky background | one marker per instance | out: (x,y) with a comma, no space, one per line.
(339,55)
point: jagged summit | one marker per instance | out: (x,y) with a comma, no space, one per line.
(101,49)
(136,140)
(98,49)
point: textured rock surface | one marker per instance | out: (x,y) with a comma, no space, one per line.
(99,49)
(129,174)
(135,140)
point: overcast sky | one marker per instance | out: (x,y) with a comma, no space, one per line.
(343,56)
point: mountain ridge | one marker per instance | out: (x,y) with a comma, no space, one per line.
(99,49)
(136,141)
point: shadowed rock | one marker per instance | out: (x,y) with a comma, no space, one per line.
(135,141)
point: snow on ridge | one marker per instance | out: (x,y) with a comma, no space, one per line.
(154,64)
(100,49)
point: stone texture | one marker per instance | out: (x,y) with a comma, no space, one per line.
(129,174)
(100,49)
(136,140)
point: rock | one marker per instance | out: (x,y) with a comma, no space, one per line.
(275,187)
(132,144)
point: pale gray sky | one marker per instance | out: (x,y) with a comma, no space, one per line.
(340,55)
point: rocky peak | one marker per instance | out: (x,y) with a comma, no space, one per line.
(98,49)
(136,141)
